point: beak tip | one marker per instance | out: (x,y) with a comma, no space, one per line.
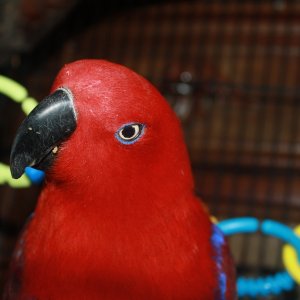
(16,170)
(18,162)
(16,174)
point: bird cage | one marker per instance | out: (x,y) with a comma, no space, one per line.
(231,73)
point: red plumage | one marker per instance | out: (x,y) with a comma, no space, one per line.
(118,221)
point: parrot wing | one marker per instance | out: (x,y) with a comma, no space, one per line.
(224,263)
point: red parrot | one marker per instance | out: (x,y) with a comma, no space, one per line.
(117,217)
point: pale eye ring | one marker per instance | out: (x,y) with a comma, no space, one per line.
(129,133)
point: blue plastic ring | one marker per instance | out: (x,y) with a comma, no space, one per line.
(283,233)
(269,285)
(34,175)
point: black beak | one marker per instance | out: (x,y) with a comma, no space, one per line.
(44,129)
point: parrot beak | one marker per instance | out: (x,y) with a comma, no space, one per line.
(40,134)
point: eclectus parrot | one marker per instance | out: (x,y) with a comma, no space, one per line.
(117,217)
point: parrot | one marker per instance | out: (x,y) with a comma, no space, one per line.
(117,216)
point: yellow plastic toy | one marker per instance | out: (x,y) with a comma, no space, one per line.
(290,259)
(18,93)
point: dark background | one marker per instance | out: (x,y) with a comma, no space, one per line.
(230,69)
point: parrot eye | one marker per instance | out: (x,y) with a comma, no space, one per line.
(129,133)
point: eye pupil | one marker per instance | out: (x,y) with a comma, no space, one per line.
(129,131)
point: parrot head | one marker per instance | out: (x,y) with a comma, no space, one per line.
(103,121)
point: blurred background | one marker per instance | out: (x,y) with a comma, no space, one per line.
(230,70)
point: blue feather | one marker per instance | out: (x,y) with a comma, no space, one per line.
(218,240)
